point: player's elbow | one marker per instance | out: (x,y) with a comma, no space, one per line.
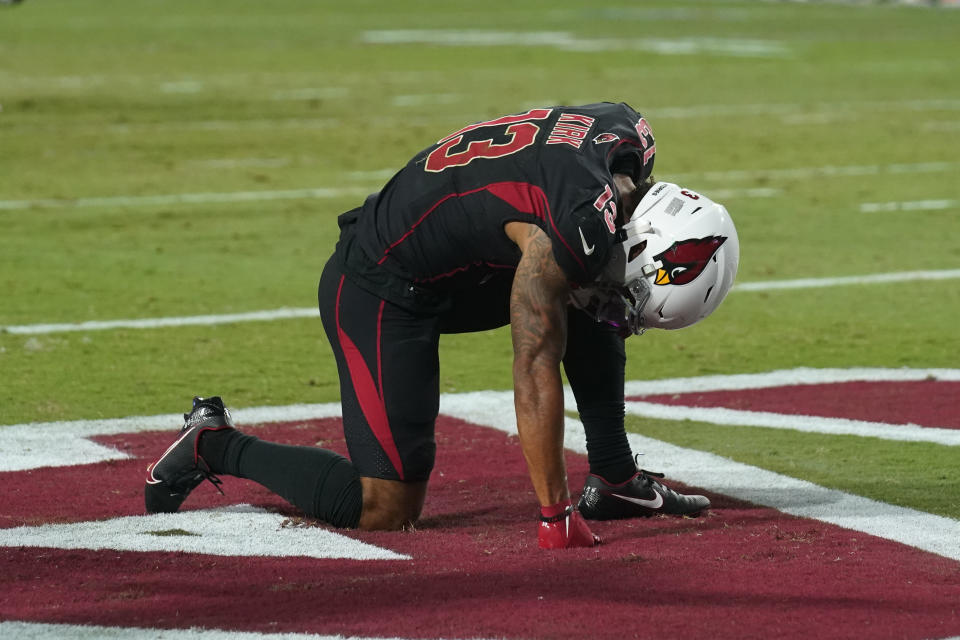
(532,363)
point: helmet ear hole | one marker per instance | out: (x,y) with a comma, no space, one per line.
(636,250)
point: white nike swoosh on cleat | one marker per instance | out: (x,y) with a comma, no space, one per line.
(587,249)
(656,503)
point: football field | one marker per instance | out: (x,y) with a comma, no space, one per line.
(170,177)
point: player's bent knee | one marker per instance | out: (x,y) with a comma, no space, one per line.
(391,505)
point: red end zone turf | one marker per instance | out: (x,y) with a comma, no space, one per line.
(739,572)
(928,403)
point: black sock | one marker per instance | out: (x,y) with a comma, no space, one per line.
(322,483)
(608,450)
(594,363)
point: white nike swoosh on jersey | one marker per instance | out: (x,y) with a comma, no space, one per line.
(656,503)
(587,249)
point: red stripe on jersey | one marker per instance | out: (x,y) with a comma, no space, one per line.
(454,272)
(522,196)
(623,141)
(529,198)
(369,397)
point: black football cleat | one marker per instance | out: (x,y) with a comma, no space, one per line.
(640,496)
(180,469)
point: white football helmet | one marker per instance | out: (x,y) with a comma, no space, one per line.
(674,263)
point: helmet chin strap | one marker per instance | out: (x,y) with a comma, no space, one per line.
(640,290)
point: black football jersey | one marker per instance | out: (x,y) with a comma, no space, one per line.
(437,226)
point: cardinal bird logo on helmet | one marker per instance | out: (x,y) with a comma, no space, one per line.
(685,260)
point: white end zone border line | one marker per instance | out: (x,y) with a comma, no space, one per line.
(925,531)
(37,445)
(810,424)
(307,312)
(235,530)
(46,631)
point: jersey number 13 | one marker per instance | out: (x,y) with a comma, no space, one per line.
(521,131)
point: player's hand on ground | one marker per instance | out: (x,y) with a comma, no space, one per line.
(562,527)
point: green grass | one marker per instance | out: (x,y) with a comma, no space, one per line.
(84,374)
(137,98)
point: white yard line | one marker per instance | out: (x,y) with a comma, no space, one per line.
(875,278)
(316,193)
(312,93)
(940,125)
(796,109)
(913,205)
(186,198)
(306,312)
(789,113)
(159,323)
(183,126)
(421,99)
(567,41)
(827,171)
(798,173)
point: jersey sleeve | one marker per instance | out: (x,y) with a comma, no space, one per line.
(584,235)
(633,153)
(586,201)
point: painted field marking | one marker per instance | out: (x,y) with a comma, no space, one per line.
(237,163)
(158,323)
(57,631)
(420,99)
(914,205)
(826,171)
(317,193)
(795,109)
(933,533)
(65,443)
(567,41)
(789,113)
(257,124)
(237,530)
(185,198)
(939,125)
(876,278)
(311,93)
(309,312)
(811,424)
(182,86)
(936,534)
(784,377)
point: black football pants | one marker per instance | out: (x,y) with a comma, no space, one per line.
(388,363)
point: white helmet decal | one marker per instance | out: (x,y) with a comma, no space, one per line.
(675,263)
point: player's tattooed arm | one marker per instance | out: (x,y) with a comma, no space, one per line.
(538,320)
